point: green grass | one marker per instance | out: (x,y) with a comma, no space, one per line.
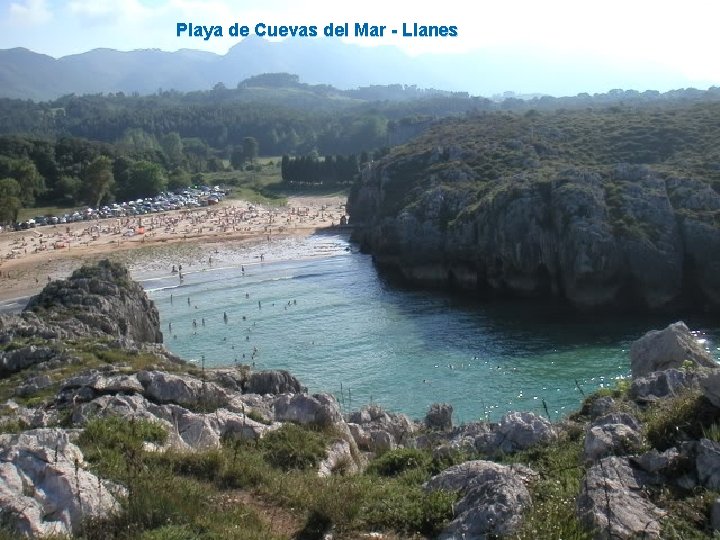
(688,516)
(160,503)
(264,184)
(28,213)
(261,196)
(175,495)
(395,462)
(13,426)
(293,447)
(84,355)
(560,470)
(686,416)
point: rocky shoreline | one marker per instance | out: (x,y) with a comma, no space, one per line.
(88,349)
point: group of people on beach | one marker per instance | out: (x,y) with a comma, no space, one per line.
(184,224)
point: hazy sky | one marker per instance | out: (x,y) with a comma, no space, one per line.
(677,38)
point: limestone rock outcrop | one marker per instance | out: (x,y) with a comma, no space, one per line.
(660,350)
(272,382)
(376,430)
(44,486)
(493,497)
(522,430)
(96,301)
(439,416)
(612,434)
(662,384)
(101,298)
(318,409)
(628,237)
(612,502)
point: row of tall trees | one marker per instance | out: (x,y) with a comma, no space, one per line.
(311,169)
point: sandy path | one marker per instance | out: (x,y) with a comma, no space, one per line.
(28,259)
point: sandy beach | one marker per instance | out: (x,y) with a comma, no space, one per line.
(28,259)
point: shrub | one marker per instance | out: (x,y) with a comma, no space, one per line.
(114,432)
(682,417)
(552,514)
(115,444)
(394,462)
(410,509)
(229,467)
(257,417)
(293,447)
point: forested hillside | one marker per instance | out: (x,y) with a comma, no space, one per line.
(169,140)
(605,208)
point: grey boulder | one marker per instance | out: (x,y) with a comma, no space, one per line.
(493,497)
(318,409)
(659,350)
(272,382)
(521,430)
(611,502)
(44,487)
(612,434)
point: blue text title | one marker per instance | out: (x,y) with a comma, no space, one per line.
(363,29)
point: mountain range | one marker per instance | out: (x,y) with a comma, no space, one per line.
(28,75)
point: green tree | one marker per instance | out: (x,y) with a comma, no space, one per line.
(121,172)
(28,178)
(179,179)
(137,141)
(173,148)
(10,203)
(285,168)
(237,158)
(69,188)
(250,148)
(31,183)
(145,179)
(98,180)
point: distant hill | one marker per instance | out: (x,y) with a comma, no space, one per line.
(25,74)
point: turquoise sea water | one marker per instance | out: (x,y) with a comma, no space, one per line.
(328,317)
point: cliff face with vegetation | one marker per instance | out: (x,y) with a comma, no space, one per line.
(603,209)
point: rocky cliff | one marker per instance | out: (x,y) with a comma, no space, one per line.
(100,298)
(541,207)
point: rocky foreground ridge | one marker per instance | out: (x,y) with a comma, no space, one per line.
(641,460)
(541,207)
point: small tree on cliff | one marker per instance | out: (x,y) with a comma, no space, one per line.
(250,148)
